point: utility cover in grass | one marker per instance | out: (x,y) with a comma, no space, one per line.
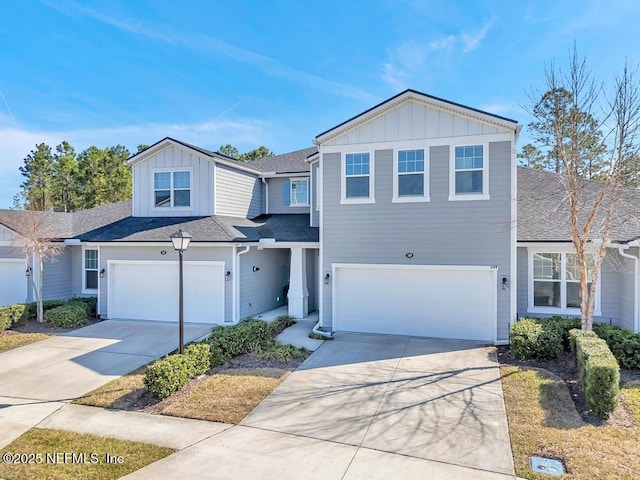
(546,465)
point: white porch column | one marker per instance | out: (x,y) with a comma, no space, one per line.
(298,291)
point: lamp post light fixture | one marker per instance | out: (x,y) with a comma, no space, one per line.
(180,241)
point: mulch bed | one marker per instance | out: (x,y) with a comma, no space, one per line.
(34,326)
(565,368)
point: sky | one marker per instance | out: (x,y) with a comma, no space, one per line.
(275,73)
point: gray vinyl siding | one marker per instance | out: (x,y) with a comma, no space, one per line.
(10,252)
(315,213)
(173,157)
(238,194)
(263,290)
(56,280)
(439,232)
(616,284)
(279,195)
(195,252)
(312,278)
(77,273)
(7,235)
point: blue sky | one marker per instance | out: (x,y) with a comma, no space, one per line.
(274,72)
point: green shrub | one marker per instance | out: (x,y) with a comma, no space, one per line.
(249,336)
(623,343)
(166,376)
(533,339)
(91,302)
(70,315)
(576,333)
(199,355)
(283,353)
(31,311)
(599,373)
(11,315)
(280,323)
(217,356)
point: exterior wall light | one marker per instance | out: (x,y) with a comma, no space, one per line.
(326,278)
(255,269)
(27,272)
(102,273)
(227,276)
(409,254)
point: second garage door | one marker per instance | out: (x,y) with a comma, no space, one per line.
(149,291)
(431,301)
(13,283)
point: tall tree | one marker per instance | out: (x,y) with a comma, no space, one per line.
(259,152)
(37,170)
(103,176)
(64,176)
(531,157)
(230,151)
(568,123)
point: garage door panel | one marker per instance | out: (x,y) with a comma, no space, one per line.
(149,291)
(13,284)
(422,302)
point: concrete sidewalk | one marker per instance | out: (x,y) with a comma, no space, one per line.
(37,379)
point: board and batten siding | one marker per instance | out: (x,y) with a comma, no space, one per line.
(238,193)
(617,279)
(202,168)
(438,232)
(413,120)
(280,197)
(263,290)
(315,195)
(153,253)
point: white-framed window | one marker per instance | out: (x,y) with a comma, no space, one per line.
(357,178)
(90,270)
(554,282)
(172,188)
(411,176)
(469,172)
(299,194)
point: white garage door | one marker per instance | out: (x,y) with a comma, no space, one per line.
(431,301)
(149,291)
(13,283)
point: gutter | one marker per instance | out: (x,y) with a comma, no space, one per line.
(236,282)
(636,305)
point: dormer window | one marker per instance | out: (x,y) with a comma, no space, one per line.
(172,189)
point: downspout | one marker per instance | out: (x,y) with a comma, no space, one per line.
(317,331)
(236,283)
(266,195)
(636,306)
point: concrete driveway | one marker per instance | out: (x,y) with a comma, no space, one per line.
(37,379)
(367,406)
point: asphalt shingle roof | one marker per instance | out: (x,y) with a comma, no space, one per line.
(292,162)
(544,215)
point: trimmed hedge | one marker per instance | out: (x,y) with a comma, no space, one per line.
(31,309)
(11,315)
(249,336)
(599,373)
(70,315)
(166,376)
(578,333)
(623,343)
(541,338)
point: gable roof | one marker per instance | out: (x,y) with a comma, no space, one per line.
(431,100)
(543,209)
(292,162)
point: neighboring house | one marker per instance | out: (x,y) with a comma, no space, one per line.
(404,219)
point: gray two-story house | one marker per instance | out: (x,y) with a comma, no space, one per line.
(410,218)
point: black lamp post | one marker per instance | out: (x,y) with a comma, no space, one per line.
(181,242)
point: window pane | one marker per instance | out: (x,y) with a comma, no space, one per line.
(357,187)
(163,198)
(410,161)
(411,184)
(161,180)
(469,157)
(182,180)
(546,294)
(182,198)
(91,279)
(469,182)
(573,270)
(299,192)
(91,259)
(357,164)
(573,294)
(546,266)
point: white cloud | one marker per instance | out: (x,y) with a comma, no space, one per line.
(18,142)
(444,43)
(207,43)
(471,40)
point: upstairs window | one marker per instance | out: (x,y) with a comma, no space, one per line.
(90,270)
(469,173)
(172,189)
(357,179)
(410,183)
(299,192)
